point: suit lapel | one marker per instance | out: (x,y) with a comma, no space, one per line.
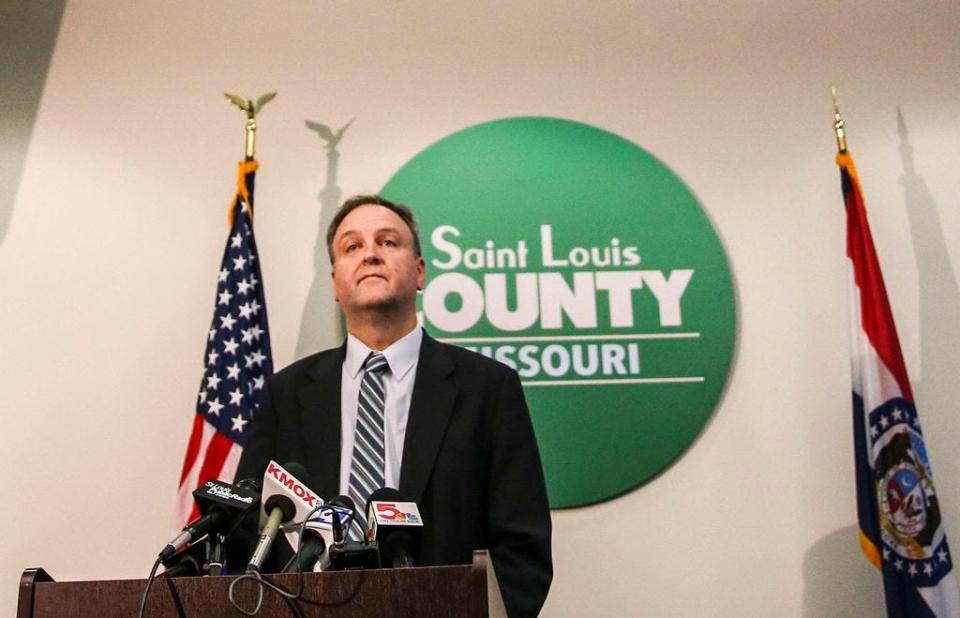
(430,409)
(320,412)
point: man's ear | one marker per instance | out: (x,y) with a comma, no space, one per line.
(421,273)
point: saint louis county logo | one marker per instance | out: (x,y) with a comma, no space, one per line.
(914,541)
(580,260)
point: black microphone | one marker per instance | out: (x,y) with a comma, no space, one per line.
(395,524)
(279,506)
(221,507)
(312,548)
(336,523)
(186,566)
(344,555)
(215,553)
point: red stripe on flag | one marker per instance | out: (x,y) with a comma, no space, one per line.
(193,446)
(875,311)
(216,454)
(213,459)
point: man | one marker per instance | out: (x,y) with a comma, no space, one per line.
(447,427)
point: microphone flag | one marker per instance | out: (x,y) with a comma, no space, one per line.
(237,359)
(901,527)
(234,497)
(322,522)
(278,480)
(383,513)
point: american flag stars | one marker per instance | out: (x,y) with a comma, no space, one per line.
(238,346)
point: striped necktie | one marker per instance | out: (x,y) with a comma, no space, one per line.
(369,453)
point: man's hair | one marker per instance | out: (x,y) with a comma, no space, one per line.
(363,200)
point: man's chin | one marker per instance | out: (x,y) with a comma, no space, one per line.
(375,302)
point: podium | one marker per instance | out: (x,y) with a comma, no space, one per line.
(460,590)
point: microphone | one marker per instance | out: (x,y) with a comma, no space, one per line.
(344,513)
(395,525)
(186,566)
(286,499)
(221,507)
(312,549)
(215,553)
(328,526)
(345,555)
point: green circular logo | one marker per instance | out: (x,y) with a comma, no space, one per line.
(574,256)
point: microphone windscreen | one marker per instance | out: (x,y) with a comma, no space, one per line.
(344,501)
(251,484)
(297,470)
(284,503)
(384,494)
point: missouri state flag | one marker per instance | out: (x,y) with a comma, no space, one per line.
(901,527)
(237,358)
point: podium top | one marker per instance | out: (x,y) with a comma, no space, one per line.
(458,590)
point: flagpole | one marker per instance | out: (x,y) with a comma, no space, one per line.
(249,165)
(251,138)
(838,126)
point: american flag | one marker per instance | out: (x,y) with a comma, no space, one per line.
(237,359)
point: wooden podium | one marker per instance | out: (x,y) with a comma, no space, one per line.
(468,590)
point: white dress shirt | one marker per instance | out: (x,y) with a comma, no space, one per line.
(402,357)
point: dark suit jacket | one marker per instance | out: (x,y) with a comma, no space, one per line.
(470,459)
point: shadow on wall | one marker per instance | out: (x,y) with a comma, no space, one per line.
(320,323)
(28,33)
(838,580)
(938,390)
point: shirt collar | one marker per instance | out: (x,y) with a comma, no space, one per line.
(401,355)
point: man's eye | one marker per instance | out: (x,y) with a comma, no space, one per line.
(390,242)
(351,247)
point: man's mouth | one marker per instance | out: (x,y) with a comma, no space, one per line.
(368,276)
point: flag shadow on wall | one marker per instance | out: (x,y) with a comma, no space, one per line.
(837,581)
(28,34)
(320,324)
(937,389)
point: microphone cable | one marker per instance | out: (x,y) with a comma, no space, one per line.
(146,590)
(289,596)
(262,582)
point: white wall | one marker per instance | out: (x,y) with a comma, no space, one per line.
(107,269)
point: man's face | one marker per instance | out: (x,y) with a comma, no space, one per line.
(375,266)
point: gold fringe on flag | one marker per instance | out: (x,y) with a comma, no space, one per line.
(243,192)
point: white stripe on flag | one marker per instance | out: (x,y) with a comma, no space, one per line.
(185,491)
(871,378)
(229,469)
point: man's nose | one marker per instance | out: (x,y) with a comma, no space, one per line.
(372,254)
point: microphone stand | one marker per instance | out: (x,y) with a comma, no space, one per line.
(215,544)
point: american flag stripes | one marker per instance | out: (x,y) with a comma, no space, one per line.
(237,359)
(901,527)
